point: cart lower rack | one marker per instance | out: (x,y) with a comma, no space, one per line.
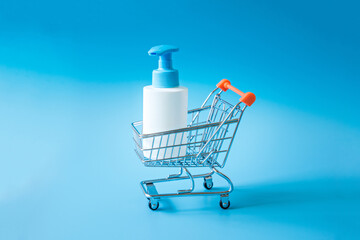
(205,142)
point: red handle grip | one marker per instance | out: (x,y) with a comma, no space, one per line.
(247,98)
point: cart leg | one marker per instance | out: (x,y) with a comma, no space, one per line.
(231,185)
(208,182)
(224,198)
(153,202)
(192,182)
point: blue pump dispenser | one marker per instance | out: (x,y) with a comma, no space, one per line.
(165,76)
(164,107)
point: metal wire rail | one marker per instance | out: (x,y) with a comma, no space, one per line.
(205,142)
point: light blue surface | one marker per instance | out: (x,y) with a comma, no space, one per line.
(71,79)
(164,76)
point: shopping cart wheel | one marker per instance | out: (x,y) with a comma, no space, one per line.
(224,201)
(224,205)
(208,183)
(153,206)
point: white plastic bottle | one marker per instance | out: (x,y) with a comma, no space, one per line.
(165,106)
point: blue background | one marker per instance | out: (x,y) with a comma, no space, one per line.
(71,78)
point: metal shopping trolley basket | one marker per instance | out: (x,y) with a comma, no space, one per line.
(205,142)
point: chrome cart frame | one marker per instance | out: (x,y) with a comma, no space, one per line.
(205,142)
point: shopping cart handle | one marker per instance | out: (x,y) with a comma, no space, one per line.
(247,98)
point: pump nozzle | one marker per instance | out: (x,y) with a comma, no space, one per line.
(165,76)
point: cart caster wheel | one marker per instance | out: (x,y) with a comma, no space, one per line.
(208,183)
(153,206)
(224,205)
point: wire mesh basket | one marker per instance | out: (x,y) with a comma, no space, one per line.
(204,143)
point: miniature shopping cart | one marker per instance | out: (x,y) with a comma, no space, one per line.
(205,142)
